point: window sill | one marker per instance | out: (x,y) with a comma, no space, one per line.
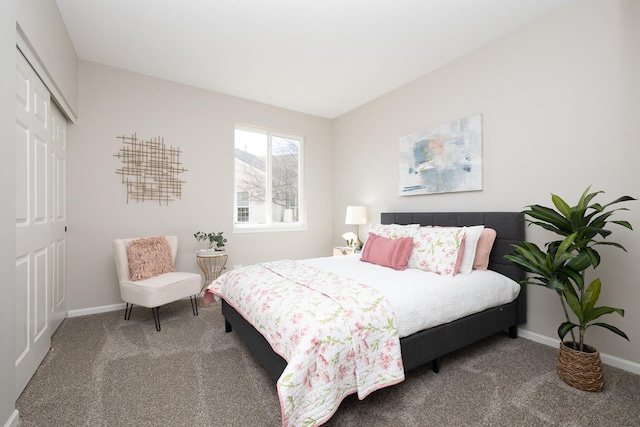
(256,228)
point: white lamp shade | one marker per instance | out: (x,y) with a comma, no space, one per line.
(356,215)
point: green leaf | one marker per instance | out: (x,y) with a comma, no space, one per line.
(556,284)
(587,197)
(525,263)
(591,295)
(568,286)
(618,245)
(564,329)
(597,312)
(580,262)
(612,329)
(620,200)
(531,251)
(564,248)
(623,223)
(548,226)
(548,218)
(574,304)
(561,205)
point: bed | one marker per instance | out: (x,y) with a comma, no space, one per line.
(428,345)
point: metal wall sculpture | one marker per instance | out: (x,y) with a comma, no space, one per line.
(150,170)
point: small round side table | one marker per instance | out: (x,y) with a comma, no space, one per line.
(212,263)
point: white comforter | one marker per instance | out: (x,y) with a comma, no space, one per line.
(421,299)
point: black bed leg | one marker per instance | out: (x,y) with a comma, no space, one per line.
(435,366)
(513,331)
(227,326)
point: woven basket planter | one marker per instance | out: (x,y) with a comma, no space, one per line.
(580,369)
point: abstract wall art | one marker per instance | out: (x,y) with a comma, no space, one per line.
(150,169)
(442,159)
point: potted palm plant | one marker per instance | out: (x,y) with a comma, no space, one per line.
(561,267)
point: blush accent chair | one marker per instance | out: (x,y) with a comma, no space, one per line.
(158,290)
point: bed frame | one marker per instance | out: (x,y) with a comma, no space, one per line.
(430,344)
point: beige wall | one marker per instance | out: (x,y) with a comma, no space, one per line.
(201,123)
(41,21)
(7,213)
(560,102)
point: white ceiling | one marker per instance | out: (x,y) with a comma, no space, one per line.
(321,57)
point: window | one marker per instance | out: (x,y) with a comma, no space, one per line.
(268,180)
(242,203)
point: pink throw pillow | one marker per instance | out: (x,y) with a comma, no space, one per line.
(393,253)
(483,249)
(149,257)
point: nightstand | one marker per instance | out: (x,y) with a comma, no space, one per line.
(343,250)
(211,263)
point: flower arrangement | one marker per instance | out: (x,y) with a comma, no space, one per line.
(212,238)
(350,238)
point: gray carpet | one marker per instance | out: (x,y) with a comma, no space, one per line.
(105,371)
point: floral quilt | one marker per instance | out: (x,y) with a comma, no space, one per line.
(338,336)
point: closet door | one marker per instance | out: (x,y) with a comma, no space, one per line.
(40,222)
(58,216)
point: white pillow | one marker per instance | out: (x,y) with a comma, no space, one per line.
(470,245)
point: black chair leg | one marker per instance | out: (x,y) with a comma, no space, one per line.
(127,311)
(156,317)
(194,304)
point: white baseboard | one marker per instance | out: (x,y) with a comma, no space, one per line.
(13,419)
(100,309)
(607,359)
(96,310)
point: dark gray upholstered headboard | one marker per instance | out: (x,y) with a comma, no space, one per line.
(509,227)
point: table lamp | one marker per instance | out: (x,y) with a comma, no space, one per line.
(356,215)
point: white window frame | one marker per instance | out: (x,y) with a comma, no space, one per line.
(269,225)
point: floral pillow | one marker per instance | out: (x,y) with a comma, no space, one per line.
(438,250)
(472,236)
(393,253)
(149,257)
(394,231)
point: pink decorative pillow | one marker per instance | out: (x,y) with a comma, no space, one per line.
(386,252)
(149,257)
(439,250)
(483,249)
